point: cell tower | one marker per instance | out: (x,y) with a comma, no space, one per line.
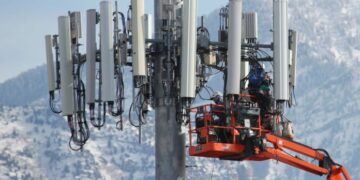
(171,66)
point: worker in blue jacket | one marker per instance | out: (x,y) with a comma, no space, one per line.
(259,86)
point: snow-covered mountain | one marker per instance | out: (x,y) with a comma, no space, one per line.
(34,145)
(33,141)
(25,88)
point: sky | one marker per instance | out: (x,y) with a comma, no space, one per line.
(24,23)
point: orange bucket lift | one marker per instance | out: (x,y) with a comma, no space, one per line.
(241,133)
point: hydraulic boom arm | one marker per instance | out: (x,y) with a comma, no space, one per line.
(326,165)
(240,142)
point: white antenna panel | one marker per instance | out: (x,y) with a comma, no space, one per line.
(50,63)
(75,20)
(66,66)
(281,50)
(149,28)
(90,55)
(188,54)
(107,51)
(250,25)
(138,38)
(234,47)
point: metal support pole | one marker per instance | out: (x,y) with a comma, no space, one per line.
(169,140)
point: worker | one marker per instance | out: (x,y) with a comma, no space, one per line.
(259,87)
(219,118)
(218,108)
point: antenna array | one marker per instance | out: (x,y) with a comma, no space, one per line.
(170,69)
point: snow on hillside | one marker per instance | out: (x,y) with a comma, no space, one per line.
(24,89)
(34,145)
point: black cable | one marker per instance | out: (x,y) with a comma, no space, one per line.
(130,119)
(123,21)
(207,90)
(101,121)
(120,101)
(119,94)
(138,111)
(295,101)
(104,115)
(199,94)
(211,89)
(52,103)
(328,156)
(72,139)
(82,132)
(87,130)
(140,102)
(79,135)
(72,147)
(83,103)
(119,124)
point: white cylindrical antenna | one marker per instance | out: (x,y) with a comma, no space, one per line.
(234,48)
(188,54)
(281,50)
(75,24)
(149,28)
(90,55)
(50,63)
(66,66)
(107,51)
(245,69)
(293,62)
(250,26)
(138,38)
